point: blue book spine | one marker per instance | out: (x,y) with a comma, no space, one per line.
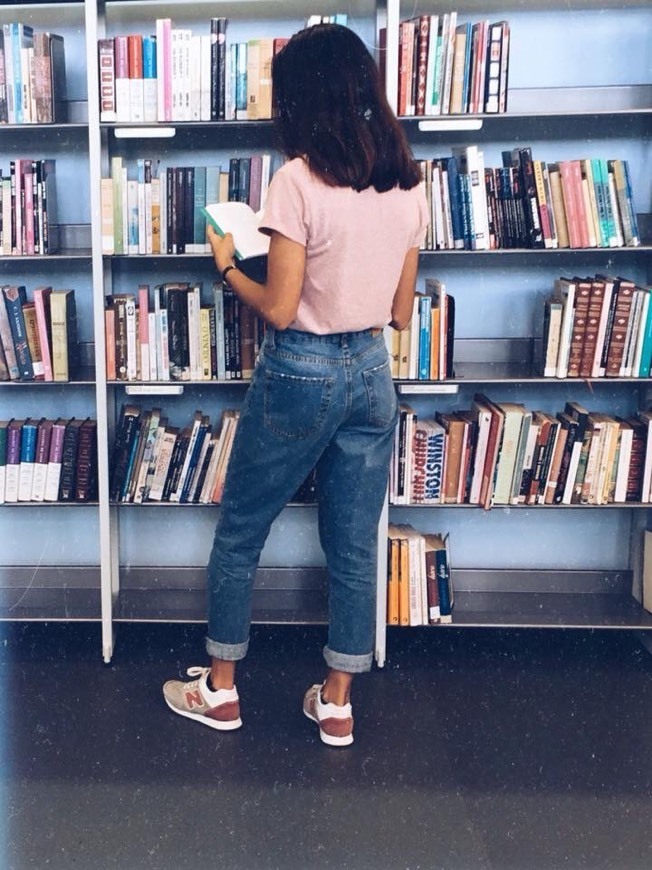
(467,69)
(133,450)
(611,221)
(16,39)
(199,232)
(443,583)
(28,442)
(425,304)
(600,200)
(636,239)
(212,184)
(467,212)
(646,352)
(455,204)
(149,57)
(192,465)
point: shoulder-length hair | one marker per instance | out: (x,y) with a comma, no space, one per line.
(330,109)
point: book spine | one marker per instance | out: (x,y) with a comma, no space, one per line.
(14,299)
(41,460)
(86,478)
(12,468)
(54,461)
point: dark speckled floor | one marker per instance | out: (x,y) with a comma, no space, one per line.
(473,749)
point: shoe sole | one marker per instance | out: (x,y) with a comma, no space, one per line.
(216,724)
(328,739)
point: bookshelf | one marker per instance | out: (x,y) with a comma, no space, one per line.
(539,565)
(516,566)
(153,555)
(40,577)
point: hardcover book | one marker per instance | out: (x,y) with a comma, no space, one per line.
(239,219)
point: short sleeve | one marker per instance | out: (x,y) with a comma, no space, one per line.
(423,217)
(285,208)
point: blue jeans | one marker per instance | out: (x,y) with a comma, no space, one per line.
(326,401)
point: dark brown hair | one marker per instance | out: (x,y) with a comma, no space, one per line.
(331,109)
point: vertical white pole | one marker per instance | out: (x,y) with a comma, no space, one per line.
(108,536)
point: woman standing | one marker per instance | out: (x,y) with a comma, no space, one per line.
(346,216)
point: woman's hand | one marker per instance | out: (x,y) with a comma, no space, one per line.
(223,248)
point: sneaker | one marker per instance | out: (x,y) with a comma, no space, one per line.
(195,700)
(335,721)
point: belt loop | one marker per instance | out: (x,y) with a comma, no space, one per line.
(270,335)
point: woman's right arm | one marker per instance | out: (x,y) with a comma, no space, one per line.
(404,295)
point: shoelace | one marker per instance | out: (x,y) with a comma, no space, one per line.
(195,672)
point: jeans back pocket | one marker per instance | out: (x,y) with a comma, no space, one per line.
(383,404)
(296,406)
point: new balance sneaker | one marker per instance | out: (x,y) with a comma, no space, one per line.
(335,721)
(195,700)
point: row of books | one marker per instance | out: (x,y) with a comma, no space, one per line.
(424,349)
(178,75)
(28,208)
(528,203)
(419,583)
(177,337)
(500,453)
(48,460)
(32,76)
(38,336)
(147,209)
(154,461)
(598,326)
(450,68)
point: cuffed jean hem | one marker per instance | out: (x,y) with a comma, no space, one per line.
(347,663)
(227,652)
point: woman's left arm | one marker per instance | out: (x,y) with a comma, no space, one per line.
(277,300)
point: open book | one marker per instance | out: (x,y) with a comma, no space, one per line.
(242,221)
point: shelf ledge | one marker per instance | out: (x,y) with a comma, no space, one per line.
(144,132)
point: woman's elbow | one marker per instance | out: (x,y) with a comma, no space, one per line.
(400,323)
(281,319)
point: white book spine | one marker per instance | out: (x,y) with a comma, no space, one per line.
(624,458)
(193,333)
(176,495)
(205,78)
(162,466)
(39,480)
(136,100)
(195,61)
(142,228)
(52,481)
(25,481)
(12,478)
(572,472)
(149,242)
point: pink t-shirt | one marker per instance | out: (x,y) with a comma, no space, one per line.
(355,242)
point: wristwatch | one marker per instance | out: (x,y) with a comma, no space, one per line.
(226,271)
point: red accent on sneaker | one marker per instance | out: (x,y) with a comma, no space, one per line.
(228,712)
(194,699)
(337,727)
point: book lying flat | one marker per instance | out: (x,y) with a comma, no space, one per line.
(242,222)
